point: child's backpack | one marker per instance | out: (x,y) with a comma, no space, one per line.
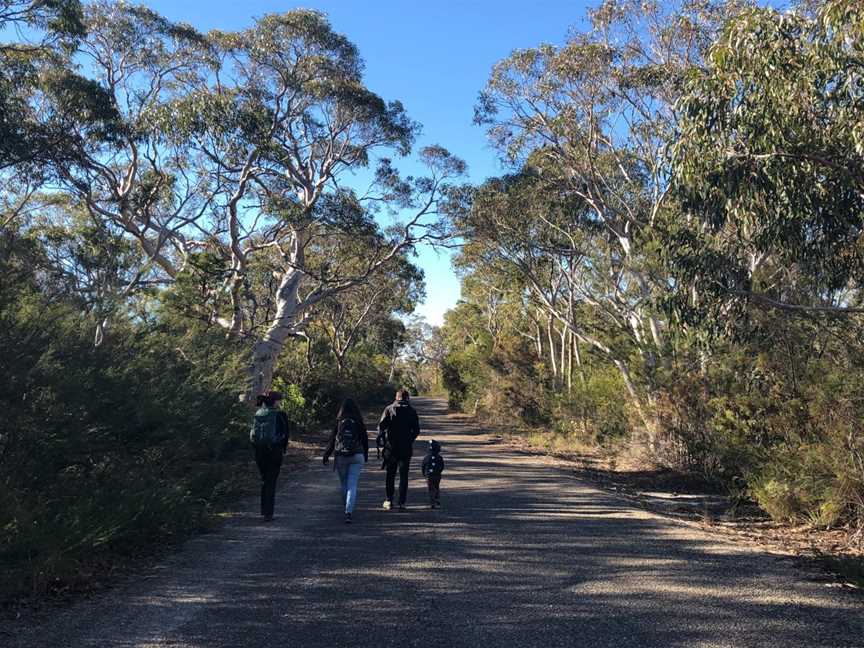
(347,438)
(435,465)
(265,432)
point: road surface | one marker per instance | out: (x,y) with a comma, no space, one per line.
(521,554)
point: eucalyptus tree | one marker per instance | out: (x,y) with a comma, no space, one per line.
(599,112)
(54,20)
(225,155)
(110,163)
(542,248)
(90,264)
(768,168)
(47,32)
(426,348)
(347,318)
(39,58)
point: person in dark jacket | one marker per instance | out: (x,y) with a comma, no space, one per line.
(350,441)
(269,457)
(398,428)
(433,466)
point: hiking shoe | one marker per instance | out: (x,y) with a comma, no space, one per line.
(347,518)
(387,505)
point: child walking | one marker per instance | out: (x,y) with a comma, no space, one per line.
(433,466)
(350,442)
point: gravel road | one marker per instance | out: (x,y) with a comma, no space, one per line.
(520,555)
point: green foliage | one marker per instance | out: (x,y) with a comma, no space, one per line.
(457,388)
(767,172)
(164,187)
(293,402)
(767,164)
(499,377)
(103,450)
(598,406)
(322,388)
(673,265)
(778,418)
(54,28)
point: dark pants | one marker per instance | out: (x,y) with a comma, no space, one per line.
(434,483)
(402,464)
(269,462)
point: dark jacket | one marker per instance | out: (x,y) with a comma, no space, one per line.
(364,440)
(433,462)
(401,426)
(286,425)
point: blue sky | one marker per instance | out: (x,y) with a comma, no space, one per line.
(432,56)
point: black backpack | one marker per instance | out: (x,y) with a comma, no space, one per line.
(436,465)
(347,438)
(382,443)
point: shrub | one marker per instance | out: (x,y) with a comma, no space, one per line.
(106,450)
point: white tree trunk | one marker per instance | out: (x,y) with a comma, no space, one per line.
(563,361)
(578,357)
(538,340)
(266,351)
(99,336)
(552,358)
(392,367)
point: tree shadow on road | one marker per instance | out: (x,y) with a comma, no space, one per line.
(521,555)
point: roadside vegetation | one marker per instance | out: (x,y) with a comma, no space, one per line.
(174,238)
(670,272)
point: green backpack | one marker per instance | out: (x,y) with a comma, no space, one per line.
(265,432)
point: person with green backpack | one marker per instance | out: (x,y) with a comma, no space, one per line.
(269,438)
(350,443)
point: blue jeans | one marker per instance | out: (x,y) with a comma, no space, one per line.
(349,469)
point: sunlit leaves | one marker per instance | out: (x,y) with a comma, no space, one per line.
(769,154)
(53,29)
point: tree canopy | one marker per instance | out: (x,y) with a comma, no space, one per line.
(671,266)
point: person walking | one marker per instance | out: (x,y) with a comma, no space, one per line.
(350,442)
(398,428)
(432,467)
(269,438)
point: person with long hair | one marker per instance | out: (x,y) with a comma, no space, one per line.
(349,441)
